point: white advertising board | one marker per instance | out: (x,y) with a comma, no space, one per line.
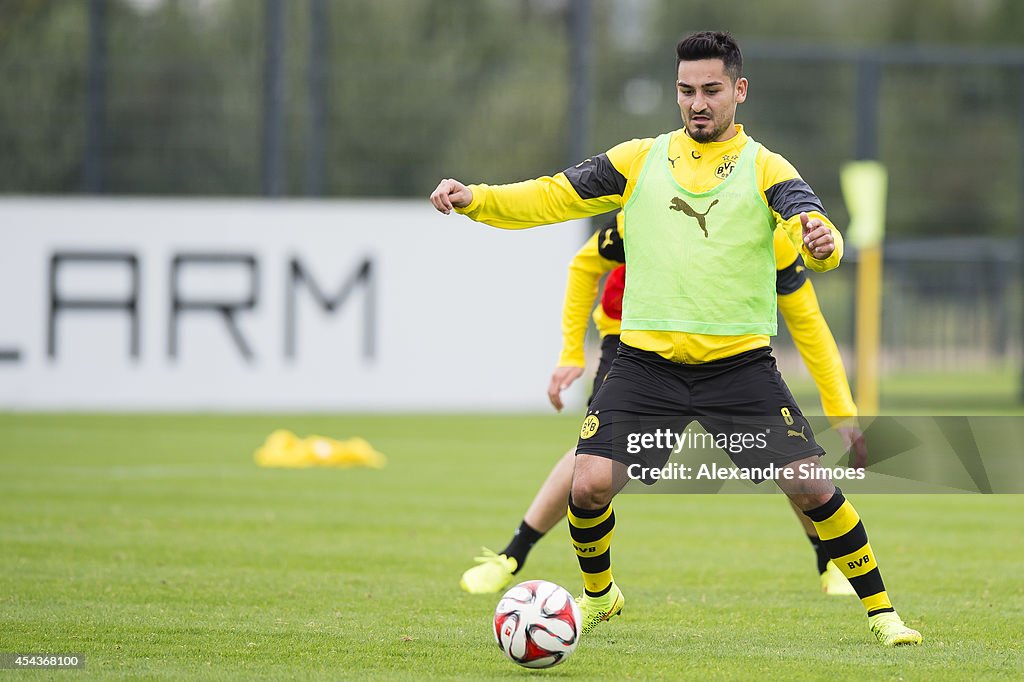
(125,304)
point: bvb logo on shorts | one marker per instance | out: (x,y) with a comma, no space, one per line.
(590,425)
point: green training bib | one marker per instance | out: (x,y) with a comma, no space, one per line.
(699,263)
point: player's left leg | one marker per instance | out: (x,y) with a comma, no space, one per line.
(833,582)
(746,395)
(846,540)
(496,570)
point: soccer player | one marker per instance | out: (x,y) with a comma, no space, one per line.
(700,205)
(603,253)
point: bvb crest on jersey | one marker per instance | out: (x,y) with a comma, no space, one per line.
(725,168)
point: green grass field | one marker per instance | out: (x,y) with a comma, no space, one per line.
(989,392)
(156,547)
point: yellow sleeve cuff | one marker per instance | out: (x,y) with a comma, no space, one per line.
(475,204)
(825,264)
(566,359)
(822,265)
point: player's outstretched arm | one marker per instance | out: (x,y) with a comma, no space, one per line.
(451,194)
(589,188)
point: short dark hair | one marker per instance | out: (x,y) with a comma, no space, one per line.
(712,45)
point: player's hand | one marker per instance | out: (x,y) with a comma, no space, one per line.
(854,443)
(817,237)
(451,194)
(561,379)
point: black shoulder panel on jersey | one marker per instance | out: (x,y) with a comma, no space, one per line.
(792,197)
(609,243)
(791,278)
(596,177)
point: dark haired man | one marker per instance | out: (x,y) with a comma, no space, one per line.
(700,206)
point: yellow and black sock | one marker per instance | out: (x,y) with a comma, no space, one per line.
(521,543)
(591,532)
(842,533)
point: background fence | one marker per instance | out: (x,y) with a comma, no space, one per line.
(381,98)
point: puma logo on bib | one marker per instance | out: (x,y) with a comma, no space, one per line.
(701,218)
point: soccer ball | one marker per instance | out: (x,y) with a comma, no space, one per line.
(537,624)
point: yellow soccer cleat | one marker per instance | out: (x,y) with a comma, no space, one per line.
(492,573)
(595,610)
(889,630)
(835,584)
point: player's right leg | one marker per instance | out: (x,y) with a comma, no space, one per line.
(638,396)
(496,570)
(595,482)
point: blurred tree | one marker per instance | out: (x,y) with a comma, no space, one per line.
(478,89)
(184,120)
(428,87)
(42,125)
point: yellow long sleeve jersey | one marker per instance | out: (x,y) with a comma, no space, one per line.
(798,304)
(605,182)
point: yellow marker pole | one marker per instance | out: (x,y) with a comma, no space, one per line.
(869,328)
(864,189)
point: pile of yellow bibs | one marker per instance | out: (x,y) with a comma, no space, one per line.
(284,449)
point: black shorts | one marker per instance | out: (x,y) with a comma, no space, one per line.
(741,402)
(609,348)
